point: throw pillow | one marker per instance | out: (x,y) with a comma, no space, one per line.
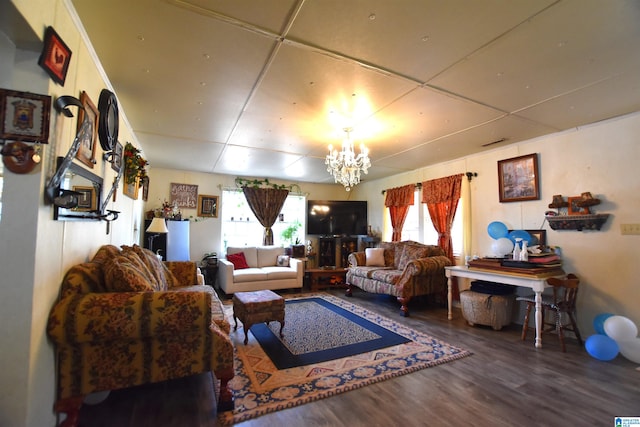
(374,257)
(282,261)
(238,260)
(122,275)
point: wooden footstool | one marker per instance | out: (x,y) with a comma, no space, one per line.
(257,307)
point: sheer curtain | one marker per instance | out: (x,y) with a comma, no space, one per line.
(441,196)
(266,204)
(398,201)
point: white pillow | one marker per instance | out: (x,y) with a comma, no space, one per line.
(374,257)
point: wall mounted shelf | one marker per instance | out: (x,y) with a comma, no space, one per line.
(577,222)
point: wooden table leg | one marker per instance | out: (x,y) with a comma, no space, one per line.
(449,297)
(538,319)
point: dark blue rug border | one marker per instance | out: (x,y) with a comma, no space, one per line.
(282,358)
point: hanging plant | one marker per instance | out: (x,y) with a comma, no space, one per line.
(134,164)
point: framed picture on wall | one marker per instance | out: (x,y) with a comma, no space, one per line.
(207,206)
(87,151)
(131,190)
(87,199)
(55,56)
(518,179)
(25,116)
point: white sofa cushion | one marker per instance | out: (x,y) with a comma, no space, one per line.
(274,273)
(250,254)
(249,275)
(268,255)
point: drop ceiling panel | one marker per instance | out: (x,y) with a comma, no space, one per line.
(177,153)
(271,15)
(512,128)
(545,57)
(308,97)
(424,115)
(174,83)
(243,161)
(416,38)
(591,104)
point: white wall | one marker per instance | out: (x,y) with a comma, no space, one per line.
(600,158)
(35,251)
(205,233)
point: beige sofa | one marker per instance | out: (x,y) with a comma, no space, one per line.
(263,271)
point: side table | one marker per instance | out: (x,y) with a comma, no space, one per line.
(210,275)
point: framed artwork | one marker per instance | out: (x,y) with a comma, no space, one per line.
(518,179)
(87,151)
(145,188)
(55,56)
(184,195)
(574,209)
(25,116)
(87,199)
(207,206)
(131,190)
(116,157)
(539,237)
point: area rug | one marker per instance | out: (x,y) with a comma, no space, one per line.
(260,388)
(317,331)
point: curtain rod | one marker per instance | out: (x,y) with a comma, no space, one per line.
(469,175)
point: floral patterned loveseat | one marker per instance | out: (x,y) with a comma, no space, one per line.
(408,269)
(126,318)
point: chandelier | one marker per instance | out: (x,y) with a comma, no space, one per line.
(344,165)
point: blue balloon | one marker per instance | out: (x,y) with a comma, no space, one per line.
(601,347)
(497,230)
(520,234)
(598,322)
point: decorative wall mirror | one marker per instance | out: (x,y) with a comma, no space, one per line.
(83,190)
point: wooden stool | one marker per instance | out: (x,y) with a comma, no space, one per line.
(257,307)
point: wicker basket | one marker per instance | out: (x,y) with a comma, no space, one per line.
(484,309)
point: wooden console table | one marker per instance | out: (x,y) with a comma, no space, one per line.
(535,282)
(326,277)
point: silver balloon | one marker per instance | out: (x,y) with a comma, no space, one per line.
(501,246)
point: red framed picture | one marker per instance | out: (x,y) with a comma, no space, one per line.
(55,57)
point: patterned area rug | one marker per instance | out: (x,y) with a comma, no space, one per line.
(260,388)
(317,331)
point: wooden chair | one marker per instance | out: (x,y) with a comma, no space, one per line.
(563,301)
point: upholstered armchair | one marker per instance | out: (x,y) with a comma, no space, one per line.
(125,319)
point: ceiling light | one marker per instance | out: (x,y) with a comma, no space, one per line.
(344,165)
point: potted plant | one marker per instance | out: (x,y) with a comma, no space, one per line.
(290,234)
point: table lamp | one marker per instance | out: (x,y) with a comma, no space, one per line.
(157,226)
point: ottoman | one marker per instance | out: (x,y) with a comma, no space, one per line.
(257,307)
(485,309)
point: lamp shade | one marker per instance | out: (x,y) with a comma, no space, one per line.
(158,225)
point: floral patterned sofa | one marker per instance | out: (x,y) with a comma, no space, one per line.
(126,318)
(404,270)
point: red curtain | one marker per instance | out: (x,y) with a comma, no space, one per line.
(398,201)
(441,196)
(266,203)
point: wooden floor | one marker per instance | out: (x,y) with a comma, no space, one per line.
(506,382)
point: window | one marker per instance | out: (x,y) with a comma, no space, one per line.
(419,215)
(240,227)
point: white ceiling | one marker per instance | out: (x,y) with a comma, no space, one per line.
(261,88)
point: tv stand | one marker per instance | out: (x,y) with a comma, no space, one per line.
(334,251)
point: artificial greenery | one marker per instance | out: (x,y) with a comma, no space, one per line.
(264,183)
(134,164)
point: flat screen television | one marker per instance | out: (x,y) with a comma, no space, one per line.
(337,217)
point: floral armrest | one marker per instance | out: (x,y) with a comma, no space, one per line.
(357,259)
(128,315)
(185,272)
(427,266)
